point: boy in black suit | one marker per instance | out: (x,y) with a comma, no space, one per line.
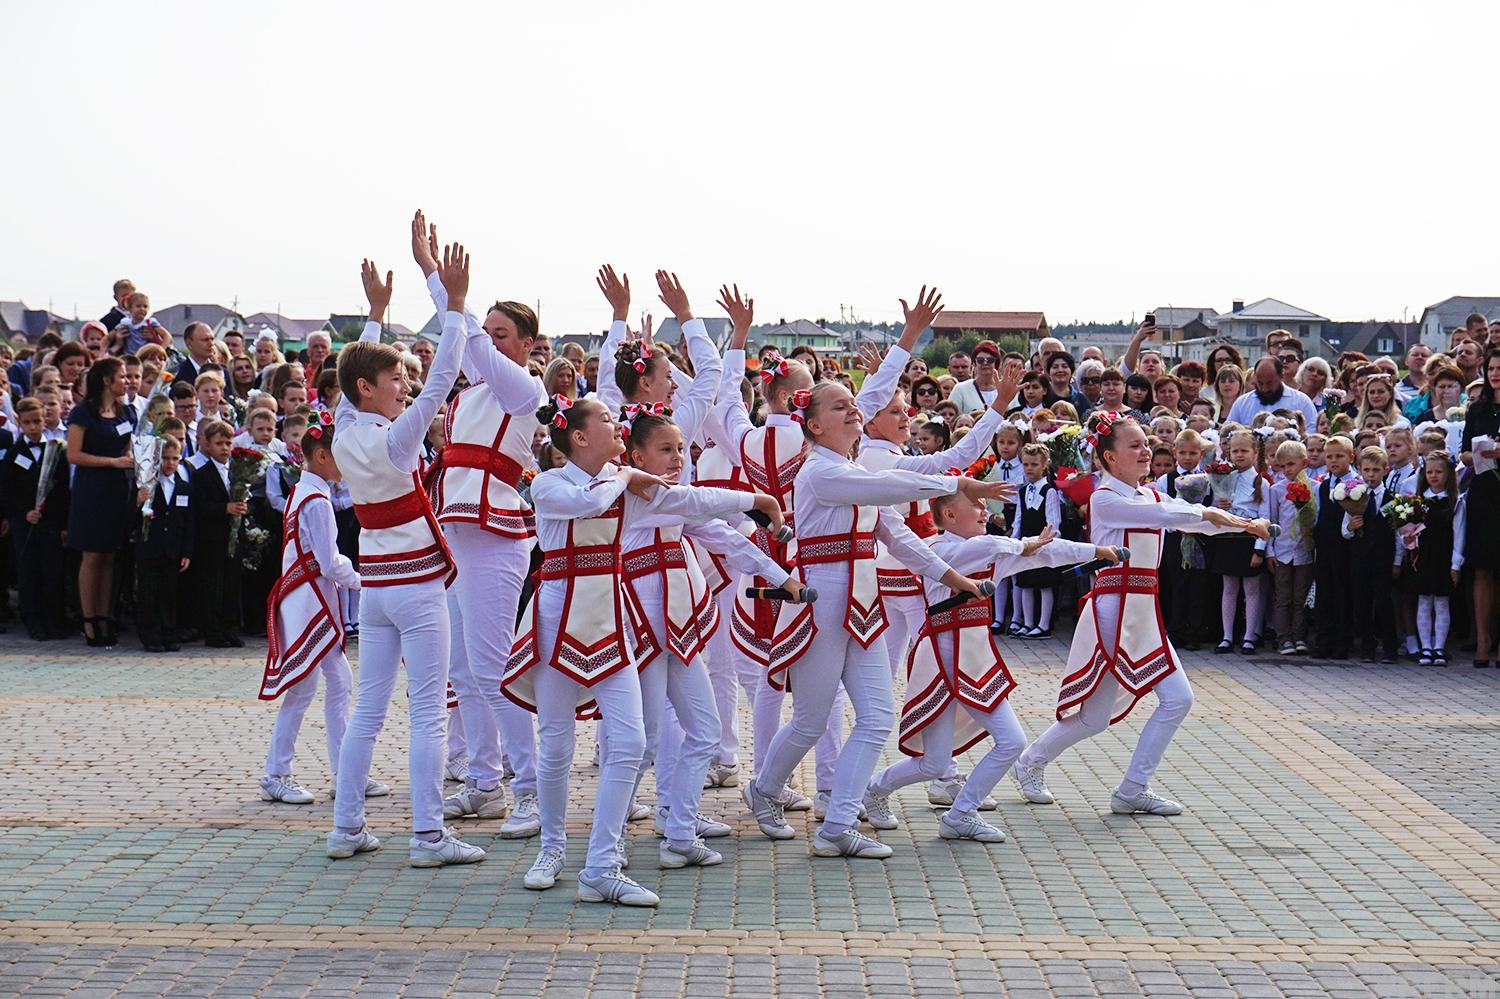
(36,532)
(163,551)
(216,573)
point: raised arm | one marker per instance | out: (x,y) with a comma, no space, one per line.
(960,455)
(404,440)
(378,294)
(1133,349)
(853,485)
(694,405)
(1109,508)
(908,549)
(882,374)
(557,497)
(616,290)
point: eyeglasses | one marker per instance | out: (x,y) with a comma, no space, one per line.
(927,390)
(985,360)
(1092,381)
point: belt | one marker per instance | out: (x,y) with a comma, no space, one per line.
(475,456)
(1125,579)
(586,560)
(392,512)
(652,559)
(826,548)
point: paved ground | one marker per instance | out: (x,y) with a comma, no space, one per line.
(1342,837)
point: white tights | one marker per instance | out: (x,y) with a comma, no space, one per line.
(1024,597)
(1432,621)
(296,701)
(937,755)
(1255,605)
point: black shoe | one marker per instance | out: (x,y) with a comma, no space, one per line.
(1367,657)
(1188,646)
(171,647)
(1223,647)
(38,635)
(1247,648)
(235,642)
(1388,660)
(1481,664)
(154,648)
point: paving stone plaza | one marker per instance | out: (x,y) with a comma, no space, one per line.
(1342,837)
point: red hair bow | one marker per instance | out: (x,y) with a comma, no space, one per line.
(1105,423)
(639,364)
(635,409)
(563,404)
(800,401)
(774,365)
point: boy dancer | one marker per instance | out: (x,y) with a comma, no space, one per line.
(304,625)
(404,569)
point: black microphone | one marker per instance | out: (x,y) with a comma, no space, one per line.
(1275,531)
(986,588)
(1100,563)
(809,595)
(784,535)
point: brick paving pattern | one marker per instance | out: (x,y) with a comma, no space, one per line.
(1342,837)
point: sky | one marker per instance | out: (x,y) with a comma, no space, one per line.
(1090,160)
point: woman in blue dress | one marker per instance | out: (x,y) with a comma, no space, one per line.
(103,504)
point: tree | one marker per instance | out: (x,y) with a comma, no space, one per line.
(936,354)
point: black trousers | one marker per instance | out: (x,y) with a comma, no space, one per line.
(1373,613)
(39,575)
(1332,576)
(156,600)
(218,583)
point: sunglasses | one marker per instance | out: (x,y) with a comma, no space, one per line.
(927,390)
(985,360)
(1093,381)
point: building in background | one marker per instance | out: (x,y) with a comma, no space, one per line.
(992,325)
(1178,323)
(1372,338)
(1440,320)
(177,317)
(784,336)
(1246,326)
(18,322)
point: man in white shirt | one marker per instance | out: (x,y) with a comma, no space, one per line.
(1269,393)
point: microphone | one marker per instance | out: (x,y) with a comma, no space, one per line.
(809,595)
(1100,563)
(986,588)
(784,535)
(1275,530)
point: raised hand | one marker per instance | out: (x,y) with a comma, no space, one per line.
(997,490)
(929,306)
(741,310)
(454,273)
(869,359)
(377,293)
(672,294)
(423,244)
(616,291)
(1031,546)
(1009,384)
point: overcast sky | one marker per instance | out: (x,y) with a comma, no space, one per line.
(1091,160)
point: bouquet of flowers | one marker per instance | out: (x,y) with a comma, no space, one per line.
(147,449)
(52,453)
(1299,493)
(1405,514)
(1077,487)
(976,469)
(246,467)
(1221,479)
(256,539)
(1352,496)
(1065,446)
(1194,489)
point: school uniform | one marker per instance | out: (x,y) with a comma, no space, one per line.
(1040,508)
(1373,551)
(1404,481)
(1293,552)
(37,548)
(1331,573)
(215,572)
(159,551)
(1004,470)
(1427,571)
(1185,588)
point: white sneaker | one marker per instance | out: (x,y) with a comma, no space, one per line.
(373,788)
(942,793)
(284,787)
(457,769)
(722,775)
(1148,801)
(820,806)
(614,886)
(877,810)
(341,846)
(849,843)
(770,813)
(525,819)
(704,826)
(696,855)
(448,849)
(1032,780)
(969,826)
(471,801)
(637,812)
(545,869)
(794,800)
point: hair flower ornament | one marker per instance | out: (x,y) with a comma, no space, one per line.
(560,418)
(773,365)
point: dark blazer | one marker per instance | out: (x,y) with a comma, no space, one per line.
(211,501)
(1328,529)
(174,526)
(18,485)
(188,371)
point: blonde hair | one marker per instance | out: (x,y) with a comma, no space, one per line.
(1339,441)
(1291,451)
(1374,453)
(1192,438)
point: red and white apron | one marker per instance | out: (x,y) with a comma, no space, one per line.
(301,626)
(956,641)
(591,637)
(771,632)
(691,613)
(896,580)
(485,454)
(1141,655)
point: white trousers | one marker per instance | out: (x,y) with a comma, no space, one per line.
(906,616)
(1174,698)
(457,744)
(834,657)
(482,606)
(683,690)
(294,705)
(622,743)
(411,622)
(767,715)
(937,755)
(728,670)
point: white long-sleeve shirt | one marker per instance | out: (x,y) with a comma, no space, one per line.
(514,387)
(403,440)
(693,400)
(1242,501)
(880,385)
(1287,547)
(970,555)
(876,453)
(829,486)
(319,533)
(1031,497)
(739,552)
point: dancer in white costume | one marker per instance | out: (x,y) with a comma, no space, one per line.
(1120,650)
(487,446)
(572,654)
(958,686)
(841,509)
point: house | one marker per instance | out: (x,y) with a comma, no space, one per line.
(1246,326)
(219,319)
(993,325)
(786,335)
(1440,320)
(719,328)
(1372,338)
(287,329)
(17,322)
(1178,323)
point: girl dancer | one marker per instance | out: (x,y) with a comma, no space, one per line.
(672,612)
(575,628)
(839,515)
(1432,569)
(959,686)
(1120,651)
(486,446)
